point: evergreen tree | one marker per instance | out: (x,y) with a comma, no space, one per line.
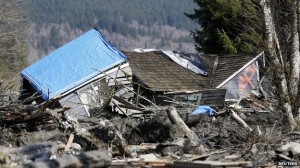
(227,26)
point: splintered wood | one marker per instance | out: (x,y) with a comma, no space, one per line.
(127,133)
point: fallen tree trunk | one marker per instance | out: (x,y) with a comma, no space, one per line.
(182,127)
(209,164)
(240,120)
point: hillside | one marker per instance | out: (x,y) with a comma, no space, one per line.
(128,24)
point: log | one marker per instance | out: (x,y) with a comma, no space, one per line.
(226,164)
(239,120)
(99,158)
(70,141)
(209,164)
(182,127)
(142,147)
(207,155)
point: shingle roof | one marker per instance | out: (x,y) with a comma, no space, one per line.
(159,73)
(227,65)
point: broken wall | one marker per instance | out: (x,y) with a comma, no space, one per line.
(96,94)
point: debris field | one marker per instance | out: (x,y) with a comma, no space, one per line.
(248,133)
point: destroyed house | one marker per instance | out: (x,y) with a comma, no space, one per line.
(163,77)
(76,73)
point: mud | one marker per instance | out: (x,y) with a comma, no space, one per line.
(217,133)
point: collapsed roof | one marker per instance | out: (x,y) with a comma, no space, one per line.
(160,74)
(72,64)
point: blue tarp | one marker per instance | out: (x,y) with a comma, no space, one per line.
(72,64)
(203,110)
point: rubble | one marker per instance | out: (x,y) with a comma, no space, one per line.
(37,135)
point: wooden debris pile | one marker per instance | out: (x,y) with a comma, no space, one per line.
(247,133)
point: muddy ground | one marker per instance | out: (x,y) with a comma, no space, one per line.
(222,138)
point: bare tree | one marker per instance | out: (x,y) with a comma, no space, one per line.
(286,64)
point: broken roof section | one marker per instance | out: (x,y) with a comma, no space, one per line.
(159,73)
(72,64)
(228,66)
(189,61)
